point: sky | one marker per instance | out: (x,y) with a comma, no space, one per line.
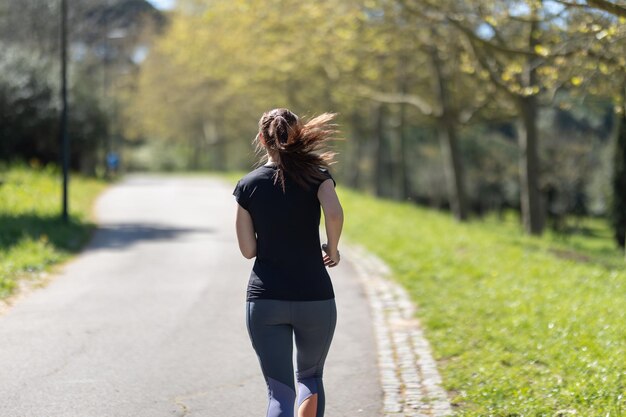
(163,4)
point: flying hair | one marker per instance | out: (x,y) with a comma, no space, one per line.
(299,148)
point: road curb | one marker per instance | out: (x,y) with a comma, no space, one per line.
(410,380)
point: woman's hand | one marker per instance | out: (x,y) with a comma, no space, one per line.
(332,257)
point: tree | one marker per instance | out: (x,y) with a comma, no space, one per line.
(28,102)
(513,68)
(397,71)
(603,22)
(441,94)
(618,205)
(527,50)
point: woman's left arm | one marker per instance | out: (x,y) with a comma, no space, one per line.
(245,233)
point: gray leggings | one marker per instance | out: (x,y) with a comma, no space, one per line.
(272,325)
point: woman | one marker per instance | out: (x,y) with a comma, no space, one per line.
(290,292)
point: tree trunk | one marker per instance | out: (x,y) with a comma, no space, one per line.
(221,149)
(211,137)
(194,147)
(618,206)
(530,195)
(355,152)
(528,139)
(405,185)
(381,151)
(453,168)
(447,132)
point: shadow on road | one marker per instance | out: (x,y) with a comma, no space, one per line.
(121,236)
(15,229)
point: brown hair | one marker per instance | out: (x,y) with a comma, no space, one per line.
(296,146)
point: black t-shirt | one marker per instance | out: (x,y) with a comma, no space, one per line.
(289,263)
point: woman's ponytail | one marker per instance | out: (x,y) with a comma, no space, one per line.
(298,147)
(279,129)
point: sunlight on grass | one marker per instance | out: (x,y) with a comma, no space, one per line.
(518,328)
(32,236)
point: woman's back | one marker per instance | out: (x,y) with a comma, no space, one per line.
(289,263)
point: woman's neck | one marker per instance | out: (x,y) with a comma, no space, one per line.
(270,160)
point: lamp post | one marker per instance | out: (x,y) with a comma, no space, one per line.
(64,137)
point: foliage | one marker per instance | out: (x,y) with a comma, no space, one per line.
(519,325)
(32,234)
(208,88)
(374,63)
(28,105)
(104,36)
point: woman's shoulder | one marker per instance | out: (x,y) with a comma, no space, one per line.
(326,174)
(259,174)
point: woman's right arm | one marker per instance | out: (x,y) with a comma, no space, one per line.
(333,219)
(246,235)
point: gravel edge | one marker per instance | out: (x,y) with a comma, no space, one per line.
(410,380)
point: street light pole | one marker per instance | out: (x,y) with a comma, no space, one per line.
(64,138)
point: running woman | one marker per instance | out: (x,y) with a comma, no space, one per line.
(289,293)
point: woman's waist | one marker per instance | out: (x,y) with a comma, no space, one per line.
(289,264)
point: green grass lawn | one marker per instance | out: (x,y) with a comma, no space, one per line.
(520,326)
(32,236)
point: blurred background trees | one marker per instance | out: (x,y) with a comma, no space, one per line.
(476,106)
(106,39)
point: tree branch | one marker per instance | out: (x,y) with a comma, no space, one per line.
(608,6)
(392,98)
(572,4)
(605,5)
(466,115)
(495,79)
(490,45)
(607,60)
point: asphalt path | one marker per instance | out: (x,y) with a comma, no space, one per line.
(149,321)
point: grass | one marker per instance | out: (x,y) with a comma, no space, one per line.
(520,326)
(32,235)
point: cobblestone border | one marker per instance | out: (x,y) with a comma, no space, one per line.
(410,380)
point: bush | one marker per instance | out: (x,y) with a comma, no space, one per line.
(30,108)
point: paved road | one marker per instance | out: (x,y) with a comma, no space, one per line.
(150,320)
